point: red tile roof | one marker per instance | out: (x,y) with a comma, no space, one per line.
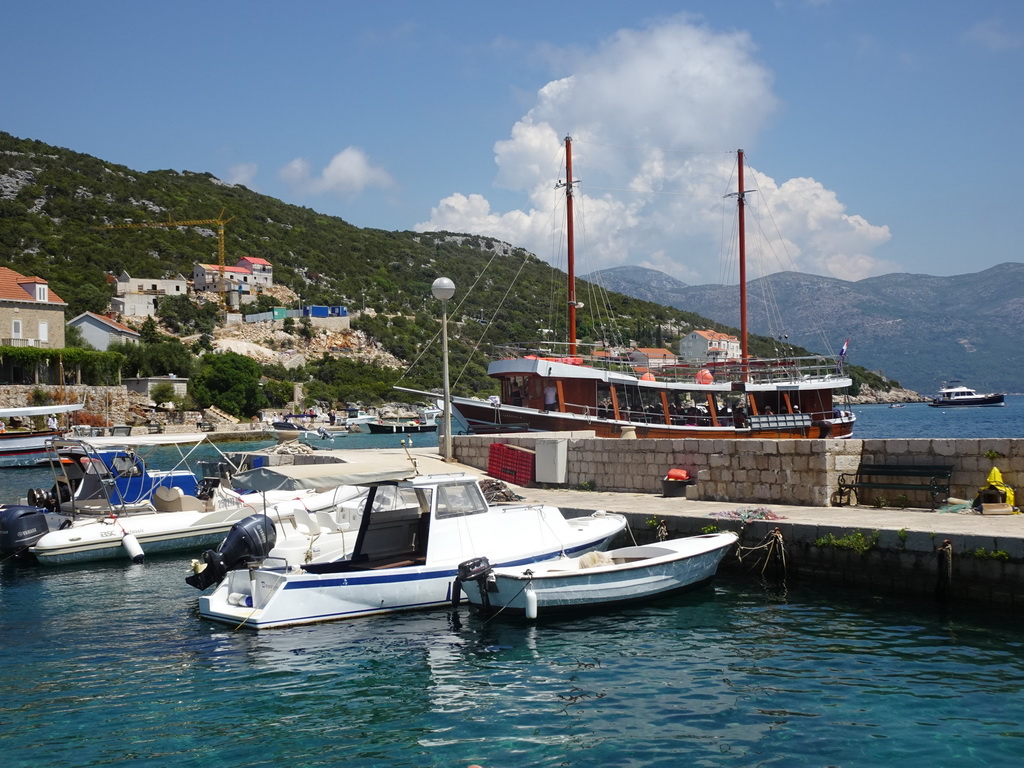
(217,268)
(11,289)
(256,260)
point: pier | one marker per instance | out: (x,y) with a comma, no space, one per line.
(909,551)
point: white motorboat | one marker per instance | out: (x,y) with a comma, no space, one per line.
(26,447)
(596,579)
(955,395)
(405,556)
(106,503)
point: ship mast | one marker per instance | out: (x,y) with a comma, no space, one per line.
(744,353)
(570,254)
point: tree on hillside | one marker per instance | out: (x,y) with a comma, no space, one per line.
(229,381)
(165,357)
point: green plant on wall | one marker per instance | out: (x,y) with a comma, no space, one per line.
(857,541)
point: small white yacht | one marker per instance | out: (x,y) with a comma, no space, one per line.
(405,555)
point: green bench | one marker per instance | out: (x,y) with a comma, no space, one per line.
(934,478)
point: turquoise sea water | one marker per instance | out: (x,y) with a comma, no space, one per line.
(111,664)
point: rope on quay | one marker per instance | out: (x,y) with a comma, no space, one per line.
(944,583)
(774,548)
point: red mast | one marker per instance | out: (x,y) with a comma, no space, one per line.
(571,255)
(744,354)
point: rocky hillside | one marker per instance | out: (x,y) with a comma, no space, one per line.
(919,330)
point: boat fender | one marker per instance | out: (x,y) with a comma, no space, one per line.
(456,592)
(531,602)
(133,548)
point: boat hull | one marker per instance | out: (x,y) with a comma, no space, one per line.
(485,417)
(638,573)
(25,449)
(389,429)
(267,598)
(979,401)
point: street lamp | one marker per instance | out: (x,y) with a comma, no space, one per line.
(443,289)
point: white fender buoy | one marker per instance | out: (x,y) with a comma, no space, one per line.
(133,548)
(531,603)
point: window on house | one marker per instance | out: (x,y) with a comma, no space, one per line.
(16,329)
(44,331)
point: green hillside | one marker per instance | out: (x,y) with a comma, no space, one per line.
(55,203)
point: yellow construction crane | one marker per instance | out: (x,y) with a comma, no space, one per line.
(220,221)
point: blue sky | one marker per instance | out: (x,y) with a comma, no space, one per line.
(881,135)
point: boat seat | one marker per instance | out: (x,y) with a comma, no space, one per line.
(171,499)
(327,522)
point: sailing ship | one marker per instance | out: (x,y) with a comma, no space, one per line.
(786,397)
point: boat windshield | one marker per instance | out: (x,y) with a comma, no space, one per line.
(460,500)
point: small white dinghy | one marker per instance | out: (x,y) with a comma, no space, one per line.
(595,579)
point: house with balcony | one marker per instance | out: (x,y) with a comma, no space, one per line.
(31,315)
(709,346)
(139,297)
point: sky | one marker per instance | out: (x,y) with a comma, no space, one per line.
(879,135)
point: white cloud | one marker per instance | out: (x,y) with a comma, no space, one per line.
(242,173)
(349,173)
(994,36)
(652,113)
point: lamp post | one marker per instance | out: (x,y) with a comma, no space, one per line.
(443,289)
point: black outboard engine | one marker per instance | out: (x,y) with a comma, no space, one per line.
(477,569)
(248,540)
(21,527)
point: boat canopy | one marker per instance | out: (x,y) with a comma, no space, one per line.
(317,477)
(135,441)
(39,410)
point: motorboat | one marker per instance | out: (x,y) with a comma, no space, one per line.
(955,395)
(595,580)
(405,557)
(554,386)
(26,447)
(108,503)
(318,528)
(425,422)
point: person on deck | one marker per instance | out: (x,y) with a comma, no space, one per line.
(550,398)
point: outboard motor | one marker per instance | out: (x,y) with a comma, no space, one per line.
(477,569)
(21,527)
(248,540)
(323,434)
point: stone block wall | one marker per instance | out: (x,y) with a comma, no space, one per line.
(803,472)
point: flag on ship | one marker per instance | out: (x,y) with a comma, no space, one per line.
(846,345)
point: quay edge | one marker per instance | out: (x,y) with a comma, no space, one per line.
(796,480)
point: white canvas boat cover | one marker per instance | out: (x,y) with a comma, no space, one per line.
(39,410)
(317,477)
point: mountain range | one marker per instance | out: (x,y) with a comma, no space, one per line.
(919,330)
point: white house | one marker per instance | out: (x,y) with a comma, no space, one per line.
(702,346)
(261,269)
(137,297)
(101,331)
(652,357)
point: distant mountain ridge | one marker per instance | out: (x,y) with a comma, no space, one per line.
(920,330)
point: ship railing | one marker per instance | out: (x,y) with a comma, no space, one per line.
(812,368)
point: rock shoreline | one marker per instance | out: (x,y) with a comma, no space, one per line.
(869,396)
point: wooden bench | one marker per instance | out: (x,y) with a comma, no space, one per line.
(155,427)
(205,426)
(934,478)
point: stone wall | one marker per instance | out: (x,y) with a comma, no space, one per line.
(803,472)
(112,403)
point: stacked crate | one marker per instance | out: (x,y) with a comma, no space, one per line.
(511,463)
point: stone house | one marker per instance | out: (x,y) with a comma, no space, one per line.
(31,315)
